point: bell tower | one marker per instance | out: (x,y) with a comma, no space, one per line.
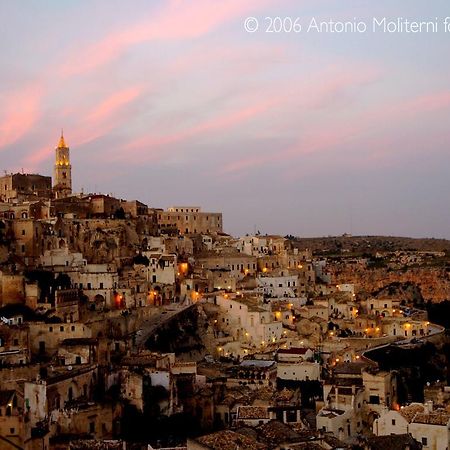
(63,170)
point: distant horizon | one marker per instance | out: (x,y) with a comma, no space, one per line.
(199,102)
(242,234)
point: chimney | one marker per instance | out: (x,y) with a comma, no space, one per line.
(429,406)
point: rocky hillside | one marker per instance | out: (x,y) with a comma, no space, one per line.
(429,283)
(370,244)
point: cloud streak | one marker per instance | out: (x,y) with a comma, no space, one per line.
(19,113)
(177,20)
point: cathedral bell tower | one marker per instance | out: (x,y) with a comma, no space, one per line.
(63,170)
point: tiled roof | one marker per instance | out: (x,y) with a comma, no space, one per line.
(350,368)
(306,446)
(408,412)
(439,417)
(259,363)
(96,445)
(276,432)
(284,395)
(229,440)
(253,412)
(393,442)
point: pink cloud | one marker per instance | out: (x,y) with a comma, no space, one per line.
(20,112)
(39,155)
(316,141)
(98,121)
(151,145)
(178,20)
(327,136)
(108,107)
(421,104)
(320,94)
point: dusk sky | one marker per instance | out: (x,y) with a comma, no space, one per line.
(175,103)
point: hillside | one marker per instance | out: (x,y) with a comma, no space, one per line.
(358,245)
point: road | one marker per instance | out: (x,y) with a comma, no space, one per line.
(150,325)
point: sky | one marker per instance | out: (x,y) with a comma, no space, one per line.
(175,103)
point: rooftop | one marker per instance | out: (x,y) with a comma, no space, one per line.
(408,412)
(276,432)
(257,363)
(294,350)
(253,412)
(229,440)
(393,442)
(439,417)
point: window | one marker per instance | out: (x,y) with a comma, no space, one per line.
(374,399)
(61,328)
(393,422)
(16,342)
(91,427)
(424,441)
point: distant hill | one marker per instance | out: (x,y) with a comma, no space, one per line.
(370,244)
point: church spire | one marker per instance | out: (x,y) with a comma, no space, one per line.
(63,170)
(62,143)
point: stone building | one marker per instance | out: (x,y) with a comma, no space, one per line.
(190,219)
(103,205)
(18,187)
(11,419)
(134,208)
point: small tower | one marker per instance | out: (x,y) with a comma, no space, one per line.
(63,170)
